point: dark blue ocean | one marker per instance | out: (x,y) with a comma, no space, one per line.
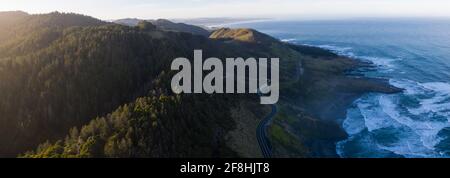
(413,54)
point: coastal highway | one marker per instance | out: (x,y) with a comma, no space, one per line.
(261,133)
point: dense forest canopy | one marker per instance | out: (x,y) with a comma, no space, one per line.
(59,71)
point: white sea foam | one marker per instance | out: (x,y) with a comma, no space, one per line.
(418,137)
(439,103)
(411,87)
(415,127)
(427,130)
(382,62)
(434,97)
(353,124)
(344,51)
(338,49)
(340,148)
(288,40)
(410,138)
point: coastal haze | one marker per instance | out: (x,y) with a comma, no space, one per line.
(358,79)
(300,9)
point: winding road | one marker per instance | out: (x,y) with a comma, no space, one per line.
(261,131)
(261,134)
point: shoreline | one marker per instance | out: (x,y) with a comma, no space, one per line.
(379,85)
(332,82)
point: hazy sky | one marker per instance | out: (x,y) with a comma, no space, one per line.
(306,9)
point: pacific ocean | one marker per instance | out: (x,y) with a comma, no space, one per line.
(413,54)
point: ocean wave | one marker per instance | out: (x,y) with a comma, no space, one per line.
(426,130)
(406,124)
(344,51)
(289,40)
(381,118)
(382,62)
(414,125)
(419,122)
(433,97)
(353,124)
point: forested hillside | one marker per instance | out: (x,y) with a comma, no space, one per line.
(75,86)
(62,70)
(158,125)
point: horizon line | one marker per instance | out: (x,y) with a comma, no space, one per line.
(285,17)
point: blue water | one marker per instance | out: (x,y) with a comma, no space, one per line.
(413,54)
